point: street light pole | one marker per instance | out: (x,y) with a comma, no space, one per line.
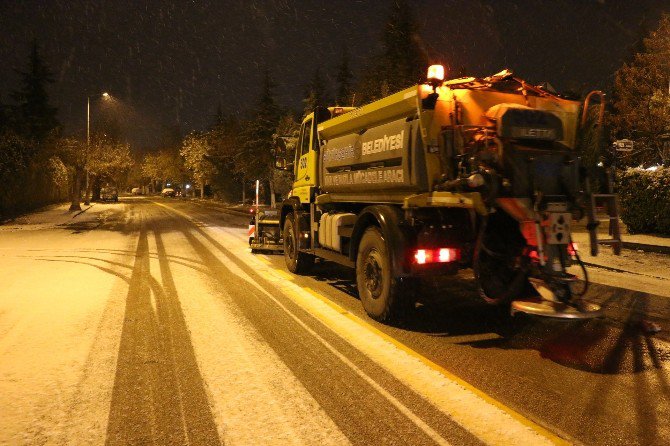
(88,144)
(105,95)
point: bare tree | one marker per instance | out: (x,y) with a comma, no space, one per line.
(195,150)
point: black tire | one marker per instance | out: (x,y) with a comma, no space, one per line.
(499,277)
(380,293)
(297,262)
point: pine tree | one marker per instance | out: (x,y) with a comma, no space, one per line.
(403,59)
(35,117)
(642,98)
(218,117)
(344,80)
(402,62)
(4,116)
(255,159)
(315,94)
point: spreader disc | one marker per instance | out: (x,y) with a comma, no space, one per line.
(581,310)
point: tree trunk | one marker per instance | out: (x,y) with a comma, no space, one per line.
(272,194)
(76,192)
(87,197)
(202,190)
(244,192)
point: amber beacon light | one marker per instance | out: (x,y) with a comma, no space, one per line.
(435,74)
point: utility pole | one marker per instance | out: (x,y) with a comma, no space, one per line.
(88,144)
(105,95)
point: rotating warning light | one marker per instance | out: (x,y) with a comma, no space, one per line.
(435,74)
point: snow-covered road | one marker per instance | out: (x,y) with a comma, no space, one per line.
(98,332)
(151,323)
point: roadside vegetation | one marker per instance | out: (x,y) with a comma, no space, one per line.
(645,200)
(38,164)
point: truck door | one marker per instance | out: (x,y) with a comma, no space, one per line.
(305,173)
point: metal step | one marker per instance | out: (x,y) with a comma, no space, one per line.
(607,204)
(608,241)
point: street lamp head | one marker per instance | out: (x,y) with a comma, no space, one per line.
(105,95)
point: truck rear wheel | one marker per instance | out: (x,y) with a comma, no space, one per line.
(297,262)
(379,291)
(499,279)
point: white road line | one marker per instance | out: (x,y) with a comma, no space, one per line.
(485,421)
(394,401)
(489,422)
(255,397)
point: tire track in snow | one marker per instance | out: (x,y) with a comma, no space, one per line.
(494,423)
(158,394)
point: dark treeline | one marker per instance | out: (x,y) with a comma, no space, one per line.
(39,165)
(31,173)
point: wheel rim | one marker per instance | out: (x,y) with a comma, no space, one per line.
(373,274)
(290,245)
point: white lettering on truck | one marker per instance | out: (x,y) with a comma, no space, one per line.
(383,144)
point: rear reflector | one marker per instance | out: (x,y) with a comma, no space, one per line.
(439,255)
(573,249)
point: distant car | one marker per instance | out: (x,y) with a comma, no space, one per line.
(168,192)
(109,193)
(136,191)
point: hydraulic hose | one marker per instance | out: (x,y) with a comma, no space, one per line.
(586,274)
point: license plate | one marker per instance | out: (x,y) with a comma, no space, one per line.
(557,228)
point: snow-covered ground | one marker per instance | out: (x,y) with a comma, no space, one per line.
(62,307)
(645,271)
(127,324)
(54,215)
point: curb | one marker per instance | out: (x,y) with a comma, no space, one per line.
(222,207)
(634,246)
(646,247)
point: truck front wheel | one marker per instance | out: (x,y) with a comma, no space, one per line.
(297,262)
(379,291)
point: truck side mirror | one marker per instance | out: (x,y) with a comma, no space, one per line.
(281,153)
(282,164)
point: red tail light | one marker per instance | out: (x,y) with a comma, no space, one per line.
(423,256)
(439,255)
(573,249)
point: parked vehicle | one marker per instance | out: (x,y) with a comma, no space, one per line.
(168,192)
(136,191)
(109,193)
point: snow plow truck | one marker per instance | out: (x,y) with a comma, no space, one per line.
(477,173)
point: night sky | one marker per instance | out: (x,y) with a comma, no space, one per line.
(174,61)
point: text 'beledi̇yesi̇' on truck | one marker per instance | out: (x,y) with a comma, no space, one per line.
(442,176)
